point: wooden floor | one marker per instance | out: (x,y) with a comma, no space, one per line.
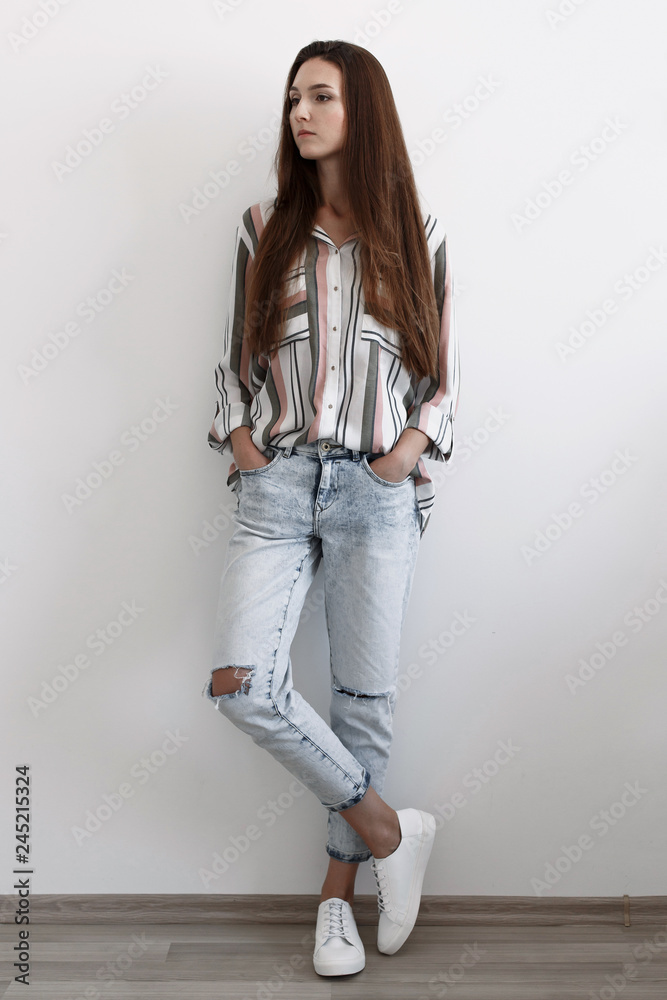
(265,961)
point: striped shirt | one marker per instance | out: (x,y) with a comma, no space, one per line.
(338,372)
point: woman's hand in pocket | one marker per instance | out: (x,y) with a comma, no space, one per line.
(247,455)
(252,460)
(399,462)
(390,467)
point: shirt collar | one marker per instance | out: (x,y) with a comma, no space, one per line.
(320,234)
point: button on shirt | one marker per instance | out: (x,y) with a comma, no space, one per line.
(338,372)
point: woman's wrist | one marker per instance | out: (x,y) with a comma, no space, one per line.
(409,447)
(244,449)
(401,460)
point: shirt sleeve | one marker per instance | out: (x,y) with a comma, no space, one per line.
(436,399)
(238,376)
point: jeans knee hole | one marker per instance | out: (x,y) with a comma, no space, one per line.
(360,694)
(241,678)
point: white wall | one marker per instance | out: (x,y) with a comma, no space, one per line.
(551,87)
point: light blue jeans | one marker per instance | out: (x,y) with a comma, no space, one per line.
(319,502)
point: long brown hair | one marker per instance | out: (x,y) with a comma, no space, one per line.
(377,176)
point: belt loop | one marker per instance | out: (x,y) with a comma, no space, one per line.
(288,450)
(355,456)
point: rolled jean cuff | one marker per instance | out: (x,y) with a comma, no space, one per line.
(352,858)
(357,797)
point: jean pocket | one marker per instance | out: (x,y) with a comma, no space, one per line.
(263,469)
(383,482)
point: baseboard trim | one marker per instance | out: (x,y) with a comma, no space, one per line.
(104,908)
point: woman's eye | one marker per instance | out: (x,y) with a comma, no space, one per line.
(293,99)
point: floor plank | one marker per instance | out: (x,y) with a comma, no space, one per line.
(130,961)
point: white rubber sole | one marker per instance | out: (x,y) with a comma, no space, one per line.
(339,969)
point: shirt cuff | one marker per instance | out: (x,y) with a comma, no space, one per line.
(438,427)
(230,417)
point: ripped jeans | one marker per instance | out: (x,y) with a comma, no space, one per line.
(318,502)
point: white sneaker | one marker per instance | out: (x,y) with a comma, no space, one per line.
(338,948)
(399,879)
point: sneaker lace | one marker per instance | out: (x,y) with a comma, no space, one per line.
(382,882)
(336,920)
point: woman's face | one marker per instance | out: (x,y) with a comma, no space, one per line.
(317,109)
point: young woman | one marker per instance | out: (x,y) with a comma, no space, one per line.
(339,375)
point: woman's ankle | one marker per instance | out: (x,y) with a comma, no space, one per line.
(376,823)
(347,895)
(339,880)
(386,842)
